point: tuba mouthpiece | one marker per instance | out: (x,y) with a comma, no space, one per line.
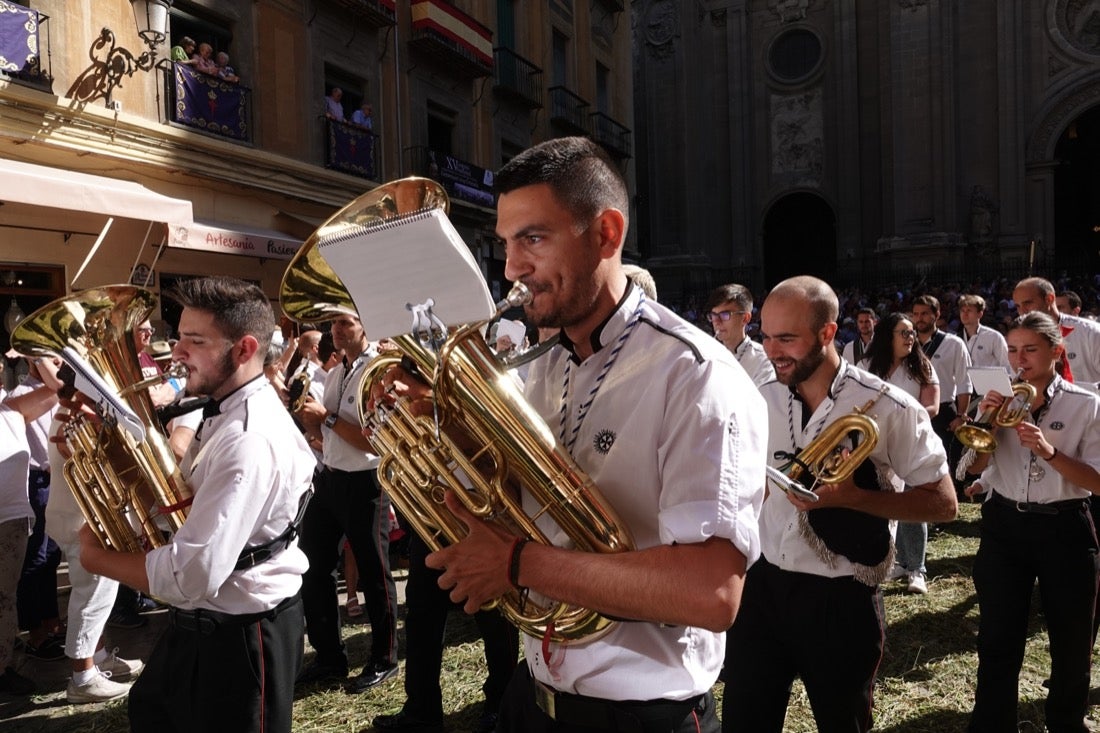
(519,295)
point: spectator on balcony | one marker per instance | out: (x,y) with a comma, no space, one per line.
(203,61)
(183,51)
(364,116)
(225,71)
(334,109)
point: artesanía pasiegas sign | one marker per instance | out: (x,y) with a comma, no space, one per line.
(226,241)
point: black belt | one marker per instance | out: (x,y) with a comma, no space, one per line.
(1034,507)
(206,622)
(610,715)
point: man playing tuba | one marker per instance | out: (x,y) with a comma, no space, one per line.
(232,572)
(666,424)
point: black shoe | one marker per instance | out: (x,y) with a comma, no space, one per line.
(125,619)
(372,675)
(322,672)
(13,683)
(404,723)
(50,650)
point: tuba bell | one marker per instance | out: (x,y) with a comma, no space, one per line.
(485,442)
(979,435)
(125,487)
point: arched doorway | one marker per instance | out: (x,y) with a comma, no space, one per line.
(1077,194)
(799,238)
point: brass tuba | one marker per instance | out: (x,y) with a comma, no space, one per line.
(978,435)
(485,442)
(824,460)
(124,486)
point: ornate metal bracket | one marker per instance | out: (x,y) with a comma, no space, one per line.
(111,64)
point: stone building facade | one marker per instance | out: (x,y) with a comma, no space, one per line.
(865,141)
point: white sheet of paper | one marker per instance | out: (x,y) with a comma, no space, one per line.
(409,262)
(987,379)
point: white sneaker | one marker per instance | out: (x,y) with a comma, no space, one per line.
(100,689)
(917,583)
(121,669)
(897,573)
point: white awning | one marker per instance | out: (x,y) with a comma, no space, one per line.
(57,188)
(234,239)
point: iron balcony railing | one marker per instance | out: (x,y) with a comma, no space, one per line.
(610,134)
(517,78)
(568,110)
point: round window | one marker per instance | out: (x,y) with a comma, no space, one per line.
(794,55)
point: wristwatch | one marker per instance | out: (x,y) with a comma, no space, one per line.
(330,420)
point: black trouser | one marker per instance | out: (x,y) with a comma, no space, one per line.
(828,631)
(1016,549)
(352,505)
(519,713)
(217,673)
(941,426)
(36,597)
(425,625)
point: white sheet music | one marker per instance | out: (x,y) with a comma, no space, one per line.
(407,261)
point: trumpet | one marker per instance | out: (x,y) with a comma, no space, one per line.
(824,460)
(978,435)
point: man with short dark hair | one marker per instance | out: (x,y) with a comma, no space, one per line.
(854,350)
(349,503)
(668,428)
(1068,302)
(232,572)
(729,310)
(951,361)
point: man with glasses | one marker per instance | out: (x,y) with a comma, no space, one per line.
(729,310)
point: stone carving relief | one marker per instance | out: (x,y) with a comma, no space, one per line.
(797,135)
(1079,23)
(790,10)
(660,27)
(983,212)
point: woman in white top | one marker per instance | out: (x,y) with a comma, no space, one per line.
(894,356)
(1036,526)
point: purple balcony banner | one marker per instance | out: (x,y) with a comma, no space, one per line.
(18,40)
(210,104)
(351,148)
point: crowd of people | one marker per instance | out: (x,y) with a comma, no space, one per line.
(754,488)
(201,58)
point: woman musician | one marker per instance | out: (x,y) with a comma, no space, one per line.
(895,357)
(1036,526)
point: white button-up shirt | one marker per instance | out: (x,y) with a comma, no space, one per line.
(248,467)
(907,448)
(1070,422)
(674,439)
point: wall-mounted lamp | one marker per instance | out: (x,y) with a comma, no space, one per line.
(152,21)
(112,63)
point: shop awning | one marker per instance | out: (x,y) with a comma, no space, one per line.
(57,188)
(234,239)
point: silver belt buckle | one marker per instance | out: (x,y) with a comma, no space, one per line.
(544,698)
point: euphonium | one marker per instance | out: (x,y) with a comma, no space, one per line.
(824,461)
(485,442)
(124,487)
(978,435)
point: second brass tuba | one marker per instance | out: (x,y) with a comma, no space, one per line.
(485,443)
(125,487)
